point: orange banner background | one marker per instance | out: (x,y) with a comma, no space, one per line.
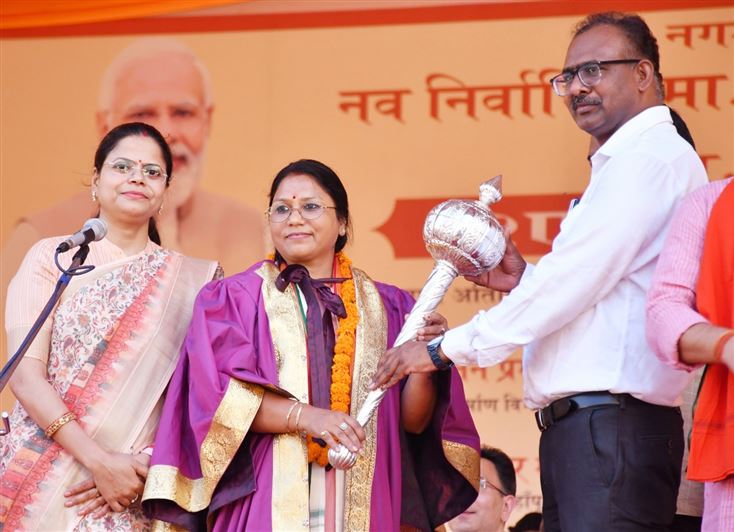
(277,97)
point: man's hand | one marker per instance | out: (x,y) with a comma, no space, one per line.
(411,357)
(506,275)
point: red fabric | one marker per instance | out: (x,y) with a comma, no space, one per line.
(712,443)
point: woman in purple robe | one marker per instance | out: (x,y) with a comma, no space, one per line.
(277,361)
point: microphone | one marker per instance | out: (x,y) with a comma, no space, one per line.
(93,230)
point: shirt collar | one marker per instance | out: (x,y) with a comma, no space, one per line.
(631,129)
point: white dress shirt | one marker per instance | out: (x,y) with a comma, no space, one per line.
(581,310)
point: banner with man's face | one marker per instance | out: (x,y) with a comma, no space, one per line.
(406,114)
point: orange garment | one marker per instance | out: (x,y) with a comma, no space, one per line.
(39,13)
(712,442)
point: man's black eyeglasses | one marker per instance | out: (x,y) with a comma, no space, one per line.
(589,74)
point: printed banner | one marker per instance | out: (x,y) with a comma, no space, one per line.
(408,115)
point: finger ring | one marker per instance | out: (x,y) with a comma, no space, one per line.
(343,425)
(323,433)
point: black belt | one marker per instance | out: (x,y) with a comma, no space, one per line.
(557,410)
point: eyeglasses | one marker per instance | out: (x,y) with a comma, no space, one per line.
(484,484)
(589,75)
(126,167)
(280,212)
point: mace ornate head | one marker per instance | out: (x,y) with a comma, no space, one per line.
(465,233)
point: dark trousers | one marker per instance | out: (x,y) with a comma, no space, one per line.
(612,468)
(686,523)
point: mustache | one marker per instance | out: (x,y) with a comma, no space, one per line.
(181,151)
(584,100)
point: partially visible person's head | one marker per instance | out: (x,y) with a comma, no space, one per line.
(161,82)
(611,73)
(682,128)
(641,41)
(308,212)
(133,168)
(530,522)
(496,498)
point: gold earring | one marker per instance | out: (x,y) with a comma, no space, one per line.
(94,196)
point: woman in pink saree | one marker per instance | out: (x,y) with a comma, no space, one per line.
(275,366)
(90,387)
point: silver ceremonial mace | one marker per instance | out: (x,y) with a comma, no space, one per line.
(464,238)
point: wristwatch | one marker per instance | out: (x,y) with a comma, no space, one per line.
(433,347)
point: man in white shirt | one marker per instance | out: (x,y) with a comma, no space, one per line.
(612,437)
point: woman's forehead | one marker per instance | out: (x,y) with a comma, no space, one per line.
(299,186)
(136,147)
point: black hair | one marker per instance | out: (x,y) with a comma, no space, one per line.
(504,466)
(681,127)
(131,129)
(638,35)
(329,181)
(528,522)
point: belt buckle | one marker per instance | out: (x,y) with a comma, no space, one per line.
(540,420)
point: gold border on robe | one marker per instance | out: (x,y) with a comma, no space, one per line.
(371,344)
(229,426)
(464,459)
(290,501)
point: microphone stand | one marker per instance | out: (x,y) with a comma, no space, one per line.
(76,268)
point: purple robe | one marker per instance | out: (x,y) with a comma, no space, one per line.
(208,469)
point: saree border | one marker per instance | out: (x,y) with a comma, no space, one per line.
(40,460)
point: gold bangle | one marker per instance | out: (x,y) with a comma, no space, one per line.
(720,344)
(288,415)
(54,427)
(298,415)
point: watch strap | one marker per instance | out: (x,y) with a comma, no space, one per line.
(432,348)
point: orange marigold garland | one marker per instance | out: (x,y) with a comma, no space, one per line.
(341,367)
